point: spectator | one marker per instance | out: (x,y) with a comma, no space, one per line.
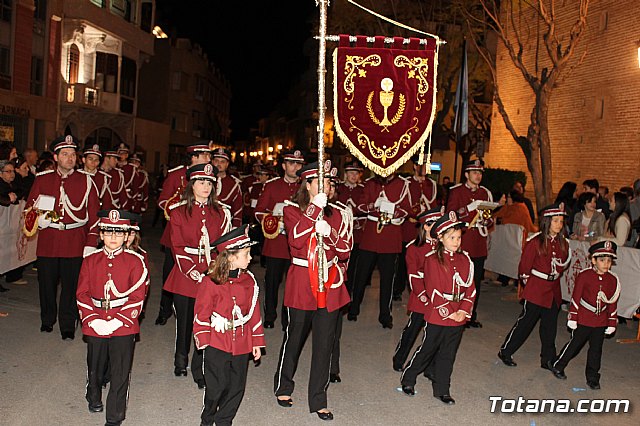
(603,192)
(588,223)
(602,204)
(31,156)
(515,212)
(23,175)
(626,190)
(567,195)
(519,186)
(45,165)
(634,211)
(7,151)
(10,193)
(618,226)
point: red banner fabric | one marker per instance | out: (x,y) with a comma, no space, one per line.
(384,102)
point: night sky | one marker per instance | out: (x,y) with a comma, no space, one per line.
(257,44)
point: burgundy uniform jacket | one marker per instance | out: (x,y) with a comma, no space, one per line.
(450,287)
(120,277)
(588,306)
(352,196)
(116,186)
(175,181)
(236,301)
(275,190)
(418,299)
(229,192)
(102,181)
(76,201)
(459,197)
(421,198)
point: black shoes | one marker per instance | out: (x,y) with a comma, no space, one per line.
(67,335)
(96,408)
(268,324)
(161,320)
(473,324)
(286,403)
(46,328)
(506,359)
(325,415)
(351,317)
(446,399)
(397,368)
(559,374)
(387,324)
(397,297)
(201,383)
(180,371)
(3,289)
(547,365)
(334,378)
(593,384)
(409,390)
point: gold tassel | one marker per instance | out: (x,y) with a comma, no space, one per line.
(421,156)
(428,166)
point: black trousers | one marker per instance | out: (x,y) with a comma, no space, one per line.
(275,269)
(166,299)
(401,276)
(335,352)
(184,335)
(52,270)
(440,344)
(352,269)
(579,337)
(407,339)
(226,378)
(525,323)
(322,325)
(478,275)
(14,274)
(367,261)
(116,353)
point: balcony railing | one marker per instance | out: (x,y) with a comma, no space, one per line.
(82,95)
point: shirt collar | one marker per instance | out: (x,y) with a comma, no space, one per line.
(114,253)
(201,205)
(234,273)
(470,188)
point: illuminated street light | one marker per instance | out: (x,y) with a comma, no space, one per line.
(260,152)
(270,149)
(280,146)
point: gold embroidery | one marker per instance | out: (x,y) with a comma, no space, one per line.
(353,64)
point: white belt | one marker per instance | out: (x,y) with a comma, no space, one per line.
(590,307)
(108,304)
(305,263)
(195,251)
(544,276)
(397,221)
(454,297)
(64,226)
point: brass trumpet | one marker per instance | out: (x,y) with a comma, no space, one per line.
(482,216)
(383,220)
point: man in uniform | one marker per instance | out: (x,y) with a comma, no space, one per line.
(67,204)
(91,157)
(139,186)
(422,194)
(249,180)
(116,181)
(228,187)
(464,199)
(129,173)
(385,201)
(276,249)
(172,189)
(349,193)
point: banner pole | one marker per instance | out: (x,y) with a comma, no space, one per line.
(322,56)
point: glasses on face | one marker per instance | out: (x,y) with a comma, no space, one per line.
(113,233)
(9,171)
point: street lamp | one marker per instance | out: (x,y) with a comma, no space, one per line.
(260,153)
(280,146)
(270,149)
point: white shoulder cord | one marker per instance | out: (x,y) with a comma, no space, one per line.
(70,208)
(602,297)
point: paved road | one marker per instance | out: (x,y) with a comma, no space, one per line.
(42,378)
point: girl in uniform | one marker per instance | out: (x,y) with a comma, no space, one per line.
(196,221)
(544,257)
(448,282)
(227,326)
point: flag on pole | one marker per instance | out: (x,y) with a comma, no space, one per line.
(461,105)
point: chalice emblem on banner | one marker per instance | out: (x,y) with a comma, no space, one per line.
(386,100)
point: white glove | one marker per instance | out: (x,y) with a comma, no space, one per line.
(572,324)
(379,201)
(610,330)
(43,222)
(87,250)
(114,324)
(101,327)
(473,205)
(320,200)
(323,228)
(218,324)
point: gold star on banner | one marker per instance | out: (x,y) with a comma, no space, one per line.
(412,74)
(362,73)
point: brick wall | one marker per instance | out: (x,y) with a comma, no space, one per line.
(594,115)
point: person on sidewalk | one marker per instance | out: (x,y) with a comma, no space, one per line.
(110,298)
(545,257)
(593,312)
(448,282)
(228,326)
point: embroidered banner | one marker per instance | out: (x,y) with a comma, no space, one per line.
(384,99)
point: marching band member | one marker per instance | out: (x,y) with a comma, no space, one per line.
(172,190)
(139,186)
(308,307)
(91,160)
(385,202)
(228,189)
(592,313)
(116,181)
(129,175)
(448,281)
(422,194)
(195,222)
(111,291)
(464,199)
(249,180)
(66,204)
(228,326)
(275,249)
(544,257)
(418,300)
(349,193)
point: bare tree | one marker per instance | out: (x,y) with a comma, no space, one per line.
(517,22)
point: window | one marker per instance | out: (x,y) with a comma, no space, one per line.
(196,128)
(200,84)
(73,64)
(106,72)
(146,16)
(99,3)
(5,68)
(175,80)
(128,85)
(5,10)
(39,16)
(37,75)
